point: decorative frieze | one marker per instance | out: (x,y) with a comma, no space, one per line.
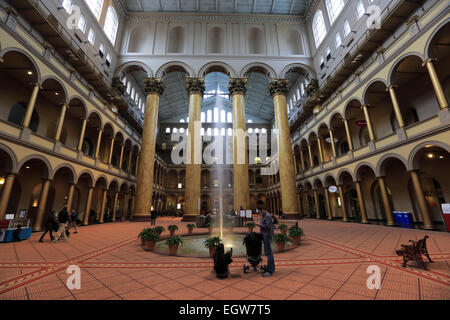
(237,86)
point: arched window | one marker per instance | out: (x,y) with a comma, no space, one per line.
(319,29)
(67,5)
(88,147)
(334,8)
(91,36)
(111,24)
(18,112)
(409,117)
(96,7)
(82,23)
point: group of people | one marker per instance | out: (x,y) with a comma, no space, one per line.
(223,259)
(61,224)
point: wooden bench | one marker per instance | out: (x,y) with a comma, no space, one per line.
(414,252)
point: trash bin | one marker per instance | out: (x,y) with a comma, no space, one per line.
(405,219)
(397,217)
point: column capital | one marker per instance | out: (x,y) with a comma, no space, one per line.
(426,61)
(391,87)
(195,85)
(278,86)
(368,106)
(237,86)
(154,86)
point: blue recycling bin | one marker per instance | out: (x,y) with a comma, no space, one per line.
(397,218)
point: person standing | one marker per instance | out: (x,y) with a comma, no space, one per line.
(153,217)
(50,225)
(63,219)
(73,220)
(266,227)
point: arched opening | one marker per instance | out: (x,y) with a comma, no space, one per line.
(72,123)
(294,42)
(49,102)
(357,124)
(176,40)
(366,177)
(93,126)
(339,134)
(216,40)
(105,143)
(255,40)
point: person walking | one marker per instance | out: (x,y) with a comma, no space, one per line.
(73,220)
(153,217)
(50,226)
(266,227)
(63,219)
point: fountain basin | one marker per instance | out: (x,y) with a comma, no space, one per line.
(193,245)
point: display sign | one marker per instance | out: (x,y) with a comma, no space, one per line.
(446,208)
(22,213)
(242,213)
(9,216)
(248,214)
(361,123)
(332,189)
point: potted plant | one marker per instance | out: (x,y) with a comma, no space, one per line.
(283,228)
(190,228)
(295,232)
(174,242)
(159,229)
(281,239)
(250,226)
(212,244)
(172,228)
(149,237)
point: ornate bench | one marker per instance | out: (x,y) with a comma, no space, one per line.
(414,252)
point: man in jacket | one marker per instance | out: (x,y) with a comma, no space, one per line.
(50,225)
(63,219)
(266,227)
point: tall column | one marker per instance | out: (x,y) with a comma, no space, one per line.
(427,222)
(316,202)
(99,140)
(62,117)
(195,88)
(122,148)
(302,161)
(327,204)
(237,89)
(6,194)
(125,206)
(130,157)
(278,89)
(442,99)
(386,204)
(70,197)
(103,207)
(88,206)
(42,205)
(319,145)
(343,207)
(111,150)
(362,205)
(398,113)
(114,209)
(333,145)
(347,133)
(154,89)
(311,162)
(369,122)
(82,133)
(308,209)
(31,104)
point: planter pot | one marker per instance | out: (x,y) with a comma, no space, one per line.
(190,230)
(148,245)
(173,248)
(297,239)
(172,232)
(212,250)
(250,229)
(280,246)
(284,232)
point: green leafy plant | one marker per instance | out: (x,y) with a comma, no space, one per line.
(282,226)
(295,231)
(149,235)
(191,226)
(172,227)
(212,242)
(250,225)
(159,229)
(279,237)
(174,240)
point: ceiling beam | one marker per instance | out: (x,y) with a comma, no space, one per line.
(217,6)
(254,6)
(235,3)
(179,5)
(139,2)
(291,7)
(273,6)
(160,6)
(198,5)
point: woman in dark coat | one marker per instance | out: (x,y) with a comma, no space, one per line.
(50,225)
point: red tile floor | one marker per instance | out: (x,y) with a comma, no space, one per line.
(330,263)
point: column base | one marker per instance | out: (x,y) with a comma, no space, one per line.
(57,147)
(401,134)
(189,218)
(371,146)
(391,224)
(444,116)
(25,134)
(365,222)
(330,218)
(428,227)
(350,155)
